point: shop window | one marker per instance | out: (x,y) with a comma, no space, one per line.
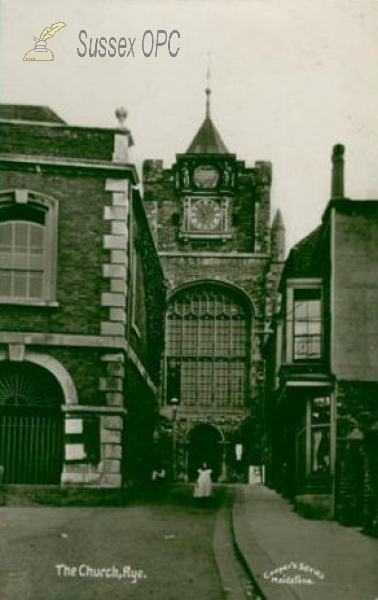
(320,435)
(313,438)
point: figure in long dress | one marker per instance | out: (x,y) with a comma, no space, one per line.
(203,486)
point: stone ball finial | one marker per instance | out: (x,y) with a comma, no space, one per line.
(121,115)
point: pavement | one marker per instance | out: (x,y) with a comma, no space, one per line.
(292,558)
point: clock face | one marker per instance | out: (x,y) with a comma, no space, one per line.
(205,176)
(205,214)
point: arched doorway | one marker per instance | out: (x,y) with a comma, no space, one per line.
(31,424)
(205,445)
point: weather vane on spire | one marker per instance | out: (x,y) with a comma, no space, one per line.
(208,88)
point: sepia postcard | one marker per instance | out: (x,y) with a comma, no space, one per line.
(189,300)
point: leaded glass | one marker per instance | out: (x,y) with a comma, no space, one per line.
(207,342)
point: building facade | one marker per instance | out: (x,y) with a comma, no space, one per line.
(82,296)
(210,217)
(322,410)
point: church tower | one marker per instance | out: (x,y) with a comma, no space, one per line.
(210,217)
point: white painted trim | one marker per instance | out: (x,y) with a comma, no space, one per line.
(292,285)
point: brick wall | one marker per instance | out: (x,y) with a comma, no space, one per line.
(86,334)
(356,292)
(81,200)
(57,140)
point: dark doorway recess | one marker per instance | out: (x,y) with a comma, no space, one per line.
(205,445)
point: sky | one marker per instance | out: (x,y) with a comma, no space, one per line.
(289,79)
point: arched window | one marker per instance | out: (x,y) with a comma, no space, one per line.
(27,247)
(207,347)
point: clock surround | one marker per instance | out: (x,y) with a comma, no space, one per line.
(205,217)
(205,214)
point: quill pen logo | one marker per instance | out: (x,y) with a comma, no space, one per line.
(40,50)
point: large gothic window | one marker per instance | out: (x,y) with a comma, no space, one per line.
(207,348)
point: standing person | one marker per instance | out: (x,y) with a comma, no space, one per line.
(203,485)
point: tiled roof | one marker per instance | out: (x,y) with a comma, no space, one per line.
(303,258)
(26,112)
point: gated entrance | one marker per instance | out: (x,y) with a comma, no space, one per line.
(31,424)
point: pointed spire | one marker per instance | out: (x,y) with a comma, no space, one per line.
(278,221)
(278,237)
(208,88)
(207,139)
(208,92)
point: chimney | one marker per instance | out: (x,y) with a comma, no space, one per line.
(337,185)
